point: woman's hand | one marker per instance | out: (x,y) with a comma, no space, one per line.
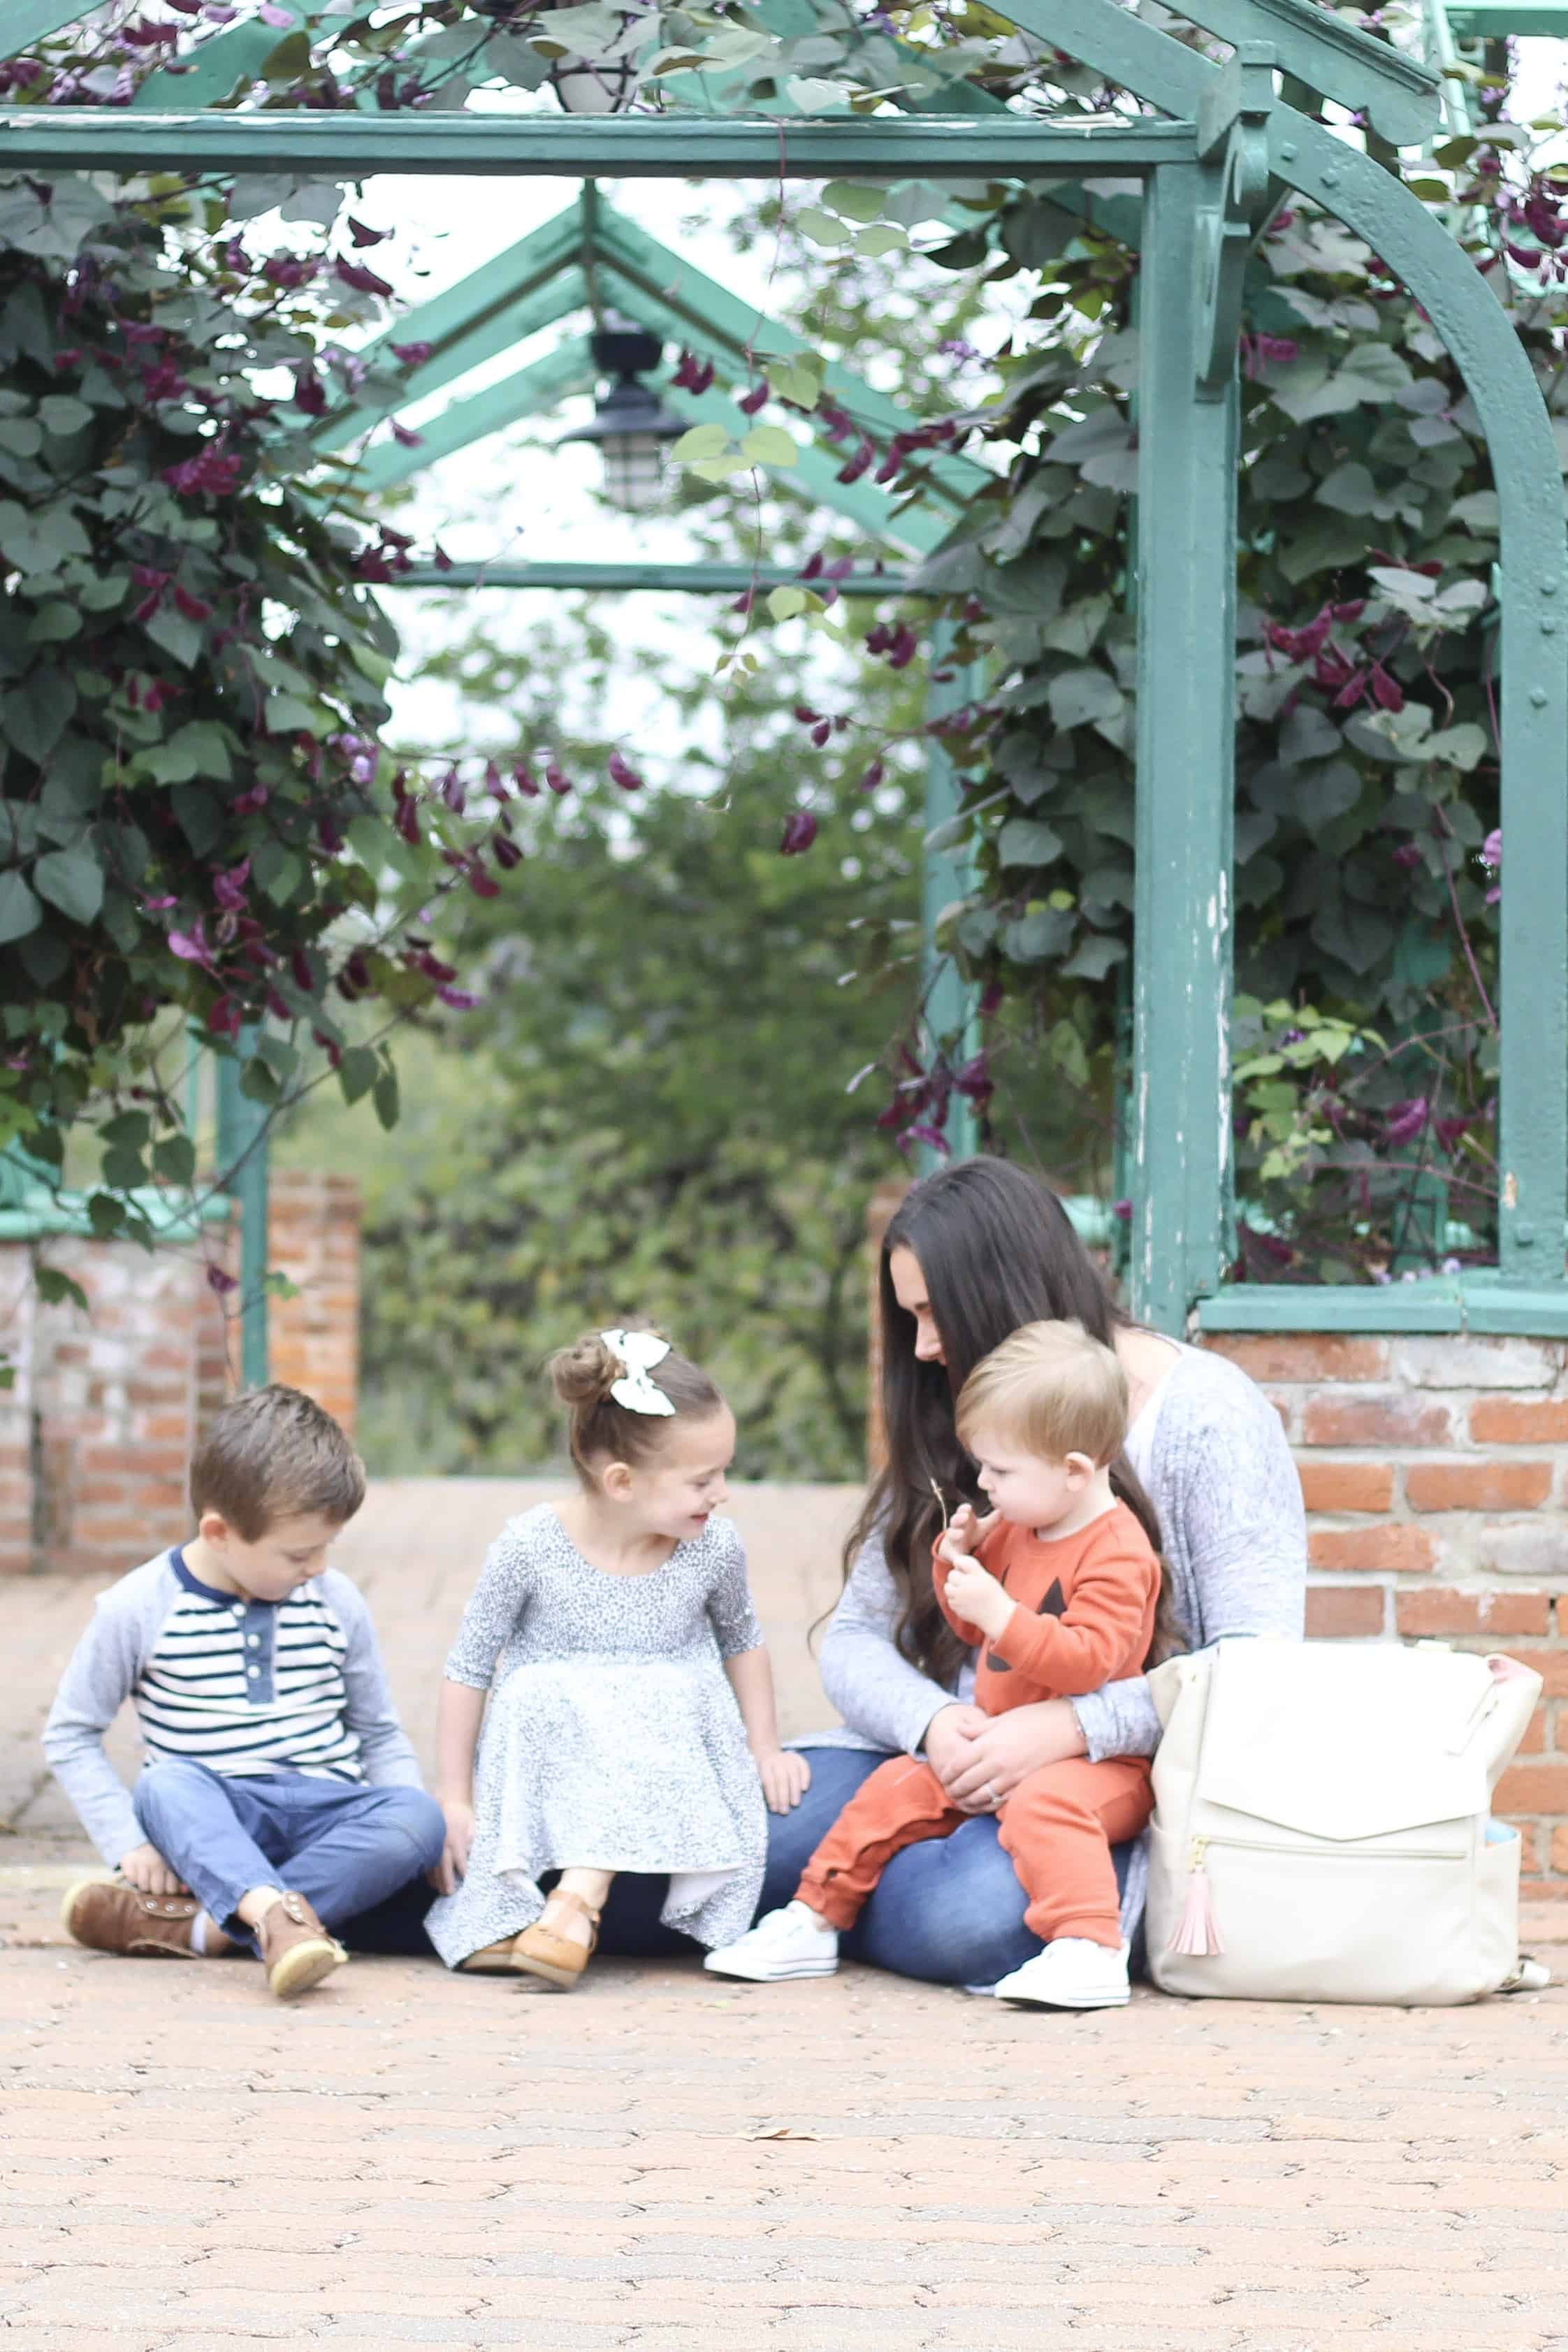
(949,1741)
(1007,1747)
(785,1778)
(455,1853)
(146,1869)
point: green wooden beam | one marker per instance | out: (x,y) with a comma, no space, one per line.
(530,392)
(950,1004)
(1493,20)
(1186,769)
(213,66)
(354,146)
(27,21)
(532,285)
(242,1157)
(700,311)
(1402,97)
(1474,1301)
(663,579)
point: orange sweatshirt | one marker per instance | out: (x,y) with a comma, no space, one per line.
(1083,1611)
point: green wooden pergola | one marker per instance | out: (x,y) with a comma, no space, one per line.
(591,258)
(1213,161)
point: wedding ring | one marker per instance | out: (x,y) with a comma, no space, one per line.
(989,1793)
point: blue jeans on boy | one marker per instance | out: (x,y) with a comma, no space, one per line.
(344,1847)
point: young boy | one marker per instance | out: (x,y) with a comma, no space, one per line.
(1058,1588)
(280,1796)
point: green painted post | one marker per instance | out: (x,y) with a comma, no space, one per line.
(950,1004)
(1186,657)
(242,1171)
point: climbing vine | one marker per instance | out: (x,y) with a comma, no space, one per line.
(1367,845)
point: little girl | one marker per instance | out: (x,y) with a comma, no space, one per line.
(631,1719)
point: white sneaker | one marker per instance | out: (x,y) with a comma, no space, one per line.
(1531,1976)
(787,1943)
(1071,1973)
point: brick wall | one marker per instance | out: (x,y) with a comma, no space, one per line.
(313,1237)
(1435,1477)
(96,1434)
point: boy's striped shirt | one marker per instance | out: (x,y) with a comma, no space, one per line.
(241,1687)
(249,1686)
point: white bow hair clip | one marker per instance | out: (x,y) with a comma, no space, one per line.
(639,1352)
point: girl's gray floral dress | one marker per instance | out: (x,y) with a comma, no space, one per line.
(613,1741)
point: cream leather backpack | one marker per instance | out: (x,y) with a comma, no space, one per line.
(1322,1822)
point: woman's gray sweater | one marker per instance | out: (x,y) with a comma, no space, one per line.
(1235,1543)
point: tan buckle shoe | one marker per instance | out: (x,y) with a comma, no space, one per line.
(555,1959)
(490,1959)
(107,1915)
(295,1950)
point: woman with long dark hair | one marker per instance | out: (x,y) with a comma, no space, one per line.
(972,1253)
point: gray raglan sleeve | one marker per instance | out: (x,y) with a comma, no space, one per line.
(864,1672)
(730,1610)
(1244,1535)
(495,1609)
(385,1750)
(105,1667)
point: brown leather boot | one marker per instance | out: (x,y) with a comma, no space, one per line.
(107,1915)
(295,1950)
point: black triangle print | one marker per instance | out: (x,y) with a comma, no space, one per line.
(1055,1603)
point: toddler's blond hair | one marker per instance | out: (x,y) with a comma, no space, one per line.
(1052,1389)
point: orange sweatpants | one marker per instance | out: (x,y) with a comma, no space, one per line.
(1059,1825)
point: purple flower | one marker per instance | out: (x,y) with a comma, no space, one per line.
(623,774)
(1406,1121)
(1408,854)
(693,375)
(363,280)
(1491,848)
(411,354)
(462,1000)
(799,833)
(289,270)
(363,235)
(228,888)
(1123,1211)
(750,402)
(955,347)
(190,946)
(931,1137)
(215,472)
(221,1282)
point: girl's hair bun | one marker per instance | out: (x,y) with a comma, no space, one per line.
(584,1373)
(602,1429)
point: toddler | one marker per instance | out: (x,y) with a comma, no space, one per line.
(1058,1588)
(630,1725)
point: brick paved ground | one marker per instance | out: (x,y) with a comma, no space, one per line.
(665,2163)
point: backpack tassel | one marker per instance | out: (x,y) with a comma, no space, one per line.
(1196,1936)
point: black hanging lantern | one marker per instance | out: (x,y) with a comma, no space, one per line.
(631,424)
